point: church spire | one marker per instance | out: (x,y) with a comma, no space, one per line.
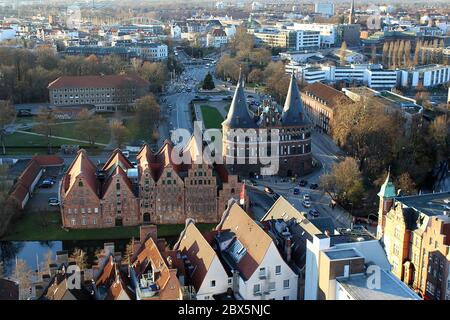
(293,107)
(238,115)
(387,189)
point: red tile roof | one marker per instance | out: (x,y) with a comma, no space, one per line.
(329,94)
(252,237)
(48,161)
(151,257)
(219,33)
(101,81)
(156,162)
(19,192)
(82,166)
(30,173)
(117,159)
(23,184)
(199,252)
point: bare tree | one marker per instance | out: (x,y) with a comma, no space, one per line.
(22,274)
(45,121)
(417,53)
(344,183)
(385,54)
(408,54)
(406,184)
(80,258)
(92,127)
(343,53)
(119,132)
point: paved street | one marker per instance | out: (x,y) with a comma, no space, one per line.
(176,110)
(323,148)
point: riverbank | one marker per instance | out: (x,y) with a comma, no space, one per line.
(47,227)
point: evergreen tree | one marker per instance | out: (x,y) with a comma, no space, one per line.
(208,82)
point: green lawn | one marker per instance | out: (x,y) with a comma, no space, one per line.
(69,130)
(211,117)
(47,226)
(19,139)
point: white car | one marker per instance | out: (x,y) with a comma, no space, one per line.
(54,202)
(306,204)
(306,197)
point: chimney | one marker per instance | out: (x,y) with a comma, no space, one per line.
(46,279)
(62,257)
(39,290)
(288,249)
(108,248)
(52,269)
(146,231)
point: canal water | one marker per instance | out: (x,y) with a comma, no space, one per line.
(34,252)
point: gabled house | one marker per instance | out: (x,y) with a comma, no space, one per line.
(94,197)
(154,275)
(251,255)
(111,283)
(204,267)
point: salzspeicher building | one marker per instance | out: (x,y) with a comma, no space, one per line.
(294,133)
(157,190)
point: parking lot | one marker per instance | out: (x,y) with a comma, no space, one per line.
(39,200)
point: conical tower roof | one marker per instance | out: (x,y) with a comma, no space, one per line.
(238,115)
(293,106)
(387,190)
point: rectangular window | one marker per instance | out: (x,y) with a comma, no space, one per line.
(277,269)
(286,284)
(96,210)
(262,272)
(272,286)
(256,288)
(213,283)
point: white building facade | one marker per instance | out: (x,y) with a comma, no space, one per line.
(426,76)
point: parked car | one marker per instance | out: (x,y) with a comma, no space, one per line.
(307,197)
(268,190)
(303,183)
(24,113)
(314,186)
(46,184)
(296,191)
(275,196)
(314,213)
(306,203)
(54,202)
